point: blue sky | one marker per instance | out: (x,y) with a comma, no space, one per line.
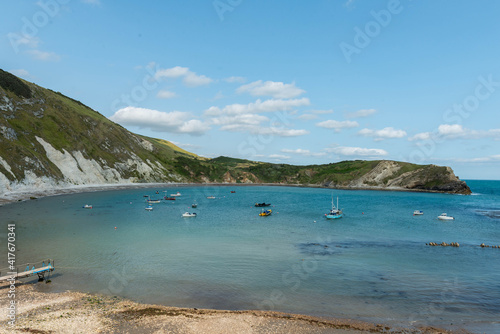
(280,81)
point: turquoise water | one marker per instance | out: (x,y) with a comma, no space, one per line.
(373,264)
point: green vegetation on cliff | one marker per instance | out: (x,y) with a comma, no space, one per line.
(49,135)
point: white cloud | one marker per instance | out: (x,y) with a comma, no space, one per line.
(23,39)
(385,133)
(277,90)
(337,126)
(258,106)
(235,80)
(421,136)
(237,120)
(190,78)
(174,72)
(174,122)
(247,118)
(278,131)
(307,117)
(360,113)
(165,94)
(357,151)
(451,130)
(44,56)
(303,152)
(194,80)
(20,73)
(185,145)
(218,96)
(279,156)
(456,131)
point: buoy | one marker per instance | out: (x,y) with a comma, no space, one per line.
(115,227)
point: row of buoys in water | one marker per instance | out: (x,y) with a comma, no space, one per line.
(456,244)
(488,246)
(444,244)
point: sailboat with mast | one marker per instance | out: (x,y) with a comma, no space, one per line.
(335,212)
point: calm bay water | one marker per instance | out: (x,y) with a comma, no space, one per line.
(373,264)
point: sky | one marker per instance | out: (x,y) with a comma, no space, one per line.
(283,81)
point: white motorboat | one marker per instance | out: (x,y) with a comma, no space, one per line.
(189,214)
(445,216)
(418,212)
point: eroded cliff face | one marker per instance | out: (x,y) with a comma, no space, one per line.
(48,141)
(389,175)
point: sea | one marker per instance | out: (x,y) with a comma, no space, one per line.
(374,264)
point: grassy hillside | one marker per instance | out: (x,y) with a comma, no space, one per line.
(77,136)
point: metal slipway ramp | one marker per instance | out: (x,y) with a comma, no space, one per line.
(39,269)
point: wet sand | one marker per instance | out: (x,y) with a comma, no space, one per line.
(42,312)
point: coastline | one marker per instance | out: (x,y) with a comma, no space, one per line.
(41,311)
(17,196)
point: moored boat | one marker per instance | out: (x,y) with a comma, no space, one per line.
(194,205)
(445,216)
(166,198)
(262,204)
(211,197)
(149,208)
(176,194)
(265,213)
(335,212)
(418,212)
(87,206)
(153,201)
(189,214)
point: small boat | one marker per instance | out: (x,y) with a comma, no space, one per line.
(194,205)
(265,213)
(166,198)
(262,204)
(189,214)
(232,191)
(87,206)
(334,213)
(153,201)
(176,194)
(418,212)
(445,216)
(211,197)
(149,208)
